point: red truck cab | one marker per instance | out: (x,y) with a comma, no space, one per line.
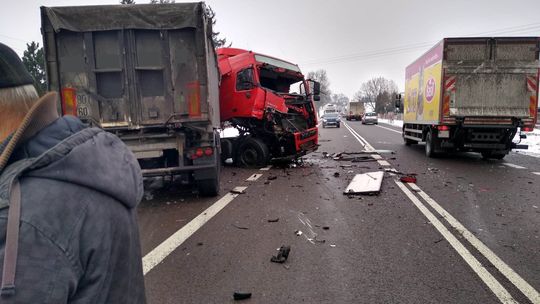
(270,102)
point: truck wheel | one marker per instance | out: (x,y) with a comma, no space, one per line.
(226,149)
(487,155)
(430,144)
(210,187)
(253,152)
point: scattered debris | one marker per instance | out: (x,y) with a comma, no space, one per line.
(332,245)
(241,295)
(345,166)
(240,227)
(408,179)
(298,233)
(336,174)
(282,255)
(271,177)
(438,241)
(200,243)
(326,228)
(239,190)
(366,183)
(274,220)
(286,266)
(350,171)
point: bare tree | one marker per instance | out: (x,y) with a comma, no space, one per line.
(322,78)
(377,93)
(127,1)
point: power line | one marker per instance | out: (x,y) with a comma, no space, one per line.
(410,47)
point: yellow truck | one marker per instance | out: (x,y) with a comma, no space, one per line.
(472,94)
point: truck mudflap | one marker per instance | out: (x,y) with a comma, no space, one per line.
(306,141)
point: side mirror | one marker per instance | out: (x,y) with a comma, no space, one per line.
(316,88)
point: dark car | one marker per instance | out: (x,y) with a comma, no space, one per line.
(331,119)
(370,118)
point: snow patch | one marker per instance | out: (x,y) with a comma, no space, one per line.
(533,140)
(395,122)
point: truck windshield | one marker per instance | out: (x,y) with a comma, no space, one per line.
(281,81)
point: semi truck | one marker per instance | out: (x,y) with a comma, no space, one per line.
(472,94)
(356,110)
(147,73)
(270,103)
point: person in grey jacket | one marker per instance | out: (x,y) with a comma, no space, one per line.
(68,198)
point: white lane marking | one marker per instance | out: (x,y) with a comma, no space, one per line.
(502,294)
(513,166)
(254,177)
(266,168)
(389,129)
(536,173)
(516,279)
(508,272)
(383,163)
(362,141)
(158,254)
(376,156)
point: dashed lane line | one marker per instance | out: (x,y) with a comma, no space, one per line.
(254,177)
(514,166)
(502,294)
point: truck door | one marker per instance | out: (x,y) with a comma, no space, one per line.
(244,94)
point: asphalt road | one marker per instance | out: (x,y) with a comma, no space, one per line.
(467,232)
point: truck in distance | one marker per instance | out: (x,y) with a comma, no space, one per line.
(147,73)
(356,110)
(270,103)
(472,94)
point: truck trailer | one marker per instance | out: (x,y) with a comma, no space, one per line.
(147,73)
(270,103)
(356,110)
(472,94)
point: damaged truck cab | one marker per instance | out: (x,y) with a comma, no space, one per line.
(270,103)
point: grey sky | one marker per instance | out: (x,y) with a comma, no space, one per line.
(353,40)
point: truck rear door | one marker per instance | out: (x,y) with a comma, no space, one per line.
(488,77)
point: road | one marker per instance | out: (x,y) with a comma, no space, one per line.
(466,232)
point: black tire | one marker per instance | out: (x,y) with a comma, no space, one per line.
(210,187)
(226,149)
(253,152)
(488,155)
(430,145)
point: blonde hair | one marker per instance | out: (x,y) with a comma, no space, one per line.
(15,102)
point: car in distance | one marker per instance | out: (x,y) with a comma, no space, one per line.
(331,119)
(370,118)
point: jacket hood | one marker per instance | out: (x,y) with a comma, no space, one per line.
(67,151)
(89,157)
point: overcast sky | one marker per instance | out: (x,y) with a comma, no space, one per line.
(352,40)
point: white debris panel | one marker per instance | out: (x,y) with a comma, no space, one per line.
(365,183)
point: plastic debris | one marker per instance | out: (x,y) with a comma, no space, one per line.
(282,255)
(408,179)
(274,220)
(239,190)
(241,295)
(326,228)
(298,233)
(366,183)
(240,227)
(336,174)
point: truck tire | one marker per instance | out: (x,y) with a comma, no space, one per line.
(490,154)
(226,149)
(210,187)
(253,152)
(430,145)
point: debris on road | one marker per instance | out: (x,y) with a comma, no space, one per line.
(366,183)
(274,220)
(239,190)
(282,255)
(408,179)
(326,228)
(240,227)
(298,233)
(336,174)
(241,295)
(271,177)
(332,245)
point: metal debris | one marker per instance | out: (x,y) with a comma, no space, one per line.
(239,190)
(274,220)
(241,295)
(366,183)
(282,255)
